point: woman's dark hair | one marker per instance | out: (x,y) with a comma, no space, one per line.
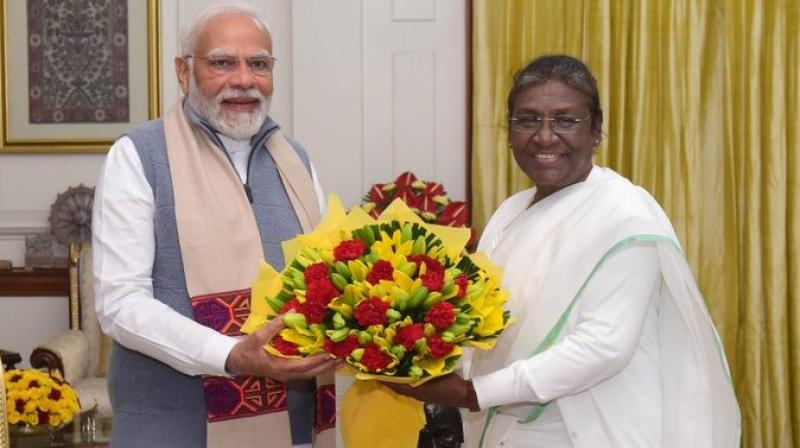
(558,67)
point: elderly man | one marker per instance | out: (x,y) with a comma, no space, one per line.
(185,208)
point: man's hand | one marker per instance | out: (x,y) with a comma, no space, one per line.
(248,357)
(448,390)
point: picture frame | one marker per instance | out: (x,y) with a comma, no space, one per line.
(49,54)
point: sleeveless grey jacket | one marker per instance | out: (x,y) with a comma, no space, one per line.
(155,405)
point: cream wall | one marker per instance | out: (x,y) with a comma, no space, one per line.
(28,185)
(370,87)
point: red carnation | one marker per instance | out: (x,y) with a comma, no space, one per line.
(462,282)
(408,336)
(349,250)
(315,312)
(342,349)
(322,291)
(317,271)
(293,304)
(285,347)
(441,315)
(433,280)
(19,405)
(371,312)
(374,359)
(439,348)
(432,264)
(44,418)
(381,270)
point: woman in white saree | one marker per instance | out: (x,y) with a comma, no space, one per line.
(613,345)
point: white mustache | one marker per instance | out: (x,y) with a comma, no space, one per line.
(249,94)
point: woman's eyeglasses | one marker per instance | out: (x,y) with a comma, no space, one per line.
(560,124)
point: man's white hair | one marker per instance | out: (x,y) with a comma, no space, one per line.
(211,11)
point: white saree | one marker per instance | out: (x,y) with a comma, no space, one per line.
(552,252)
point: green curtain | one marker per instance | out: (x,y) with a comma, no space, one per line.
(702,108)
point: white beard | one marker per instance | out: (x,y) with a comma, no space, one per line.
(235,125)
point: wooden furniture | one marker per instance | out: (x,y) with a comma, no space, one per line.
(10,359)
(39,282)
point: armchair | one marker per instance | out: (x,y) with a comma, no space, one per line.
(82,352)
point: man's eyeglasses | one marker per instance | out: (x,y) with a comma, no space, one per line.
(560,124)
(225,65)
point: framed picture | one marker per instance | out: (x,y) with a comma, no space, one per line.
(76,74)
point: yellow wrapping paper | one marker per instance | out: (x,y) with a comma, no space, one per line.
(373,416)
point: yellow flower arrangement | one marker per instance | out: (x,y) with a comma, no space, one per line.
(37,398)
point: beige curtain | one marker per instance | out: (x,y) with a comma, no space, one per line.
(703,109)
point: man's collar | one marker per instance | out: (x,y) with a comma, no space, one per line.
(266,130)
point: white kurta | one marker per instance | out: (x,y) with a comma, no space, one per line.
(597,267)
(124,253)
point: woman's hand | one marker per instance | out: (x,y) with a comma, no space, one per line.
(448,390)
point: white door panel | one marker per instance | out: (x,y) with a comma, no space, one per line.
(380,88)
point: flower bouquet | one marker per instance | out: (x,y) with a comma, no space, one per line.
(37,398)
(427,199)
(394,297)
